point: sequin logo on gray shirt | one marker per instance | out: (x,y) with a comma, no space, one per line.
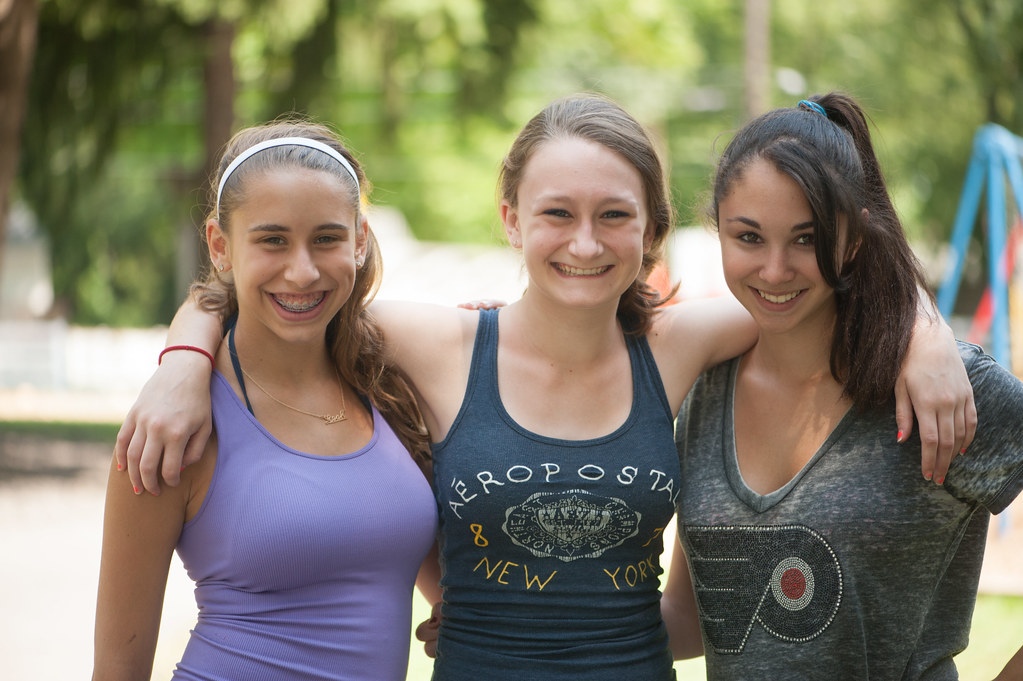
(785,579)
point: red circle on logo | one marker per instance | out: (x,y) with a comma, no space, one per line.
(793,583)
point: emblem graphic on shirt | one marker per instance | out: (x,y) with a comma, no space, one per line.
(785,579)
(571,524)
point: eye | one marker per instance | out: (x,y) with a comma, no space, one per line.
(328,239)
(272,240)
(557,213)
(749,237)
(805,239)
(615,214)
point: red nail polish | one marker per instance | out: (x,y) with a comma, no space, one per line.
(898,438)
(927,476)
(118,466)
(941,480)
(136,489)
(963,450)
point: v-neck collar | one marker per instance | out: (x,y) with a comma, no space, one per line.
(757,502)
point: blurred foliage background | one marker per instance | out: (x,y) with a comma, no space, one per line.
(127,102)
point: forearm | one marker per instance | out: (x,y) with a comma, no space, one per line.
(194,326)
(139,535)
(428,580)
(1013,670)
(678,606)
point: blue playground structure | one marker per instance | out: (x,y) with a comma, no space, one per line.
(996,159)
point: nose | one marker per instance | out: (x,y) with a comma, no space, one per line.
(302,270)
(585,242)
(776,268)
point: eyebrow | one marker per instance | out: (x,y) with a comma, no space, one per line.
(274,228)
(756,225)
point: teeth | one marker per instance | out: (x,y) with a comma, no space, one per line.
(784,298)
(581,271)
(297,303)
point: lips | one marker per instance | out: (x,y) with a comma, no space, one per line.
(298,303)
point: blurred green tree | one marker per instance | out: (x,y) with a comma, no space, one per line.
(131,100)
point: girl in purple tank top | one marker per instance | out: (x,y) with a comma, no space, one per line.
(307,518)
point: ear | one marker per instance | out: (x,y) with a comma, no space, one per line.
(648,236)
(510,220)
(220,247)
(362,238)
(856,247)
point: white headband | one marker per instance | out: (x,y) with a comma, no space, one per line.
(280,142)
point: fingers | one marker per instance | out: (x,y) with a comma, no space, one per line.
(149,466)
(903,411)
(428,631)
(484,304)
(133,455)
(196,445)
(124,436)
(928,447)
(970,424)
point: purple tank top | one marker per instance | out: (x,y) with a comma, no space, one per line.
(304,565)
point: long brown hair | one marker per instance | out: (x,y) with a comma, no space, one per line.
(598,119)
(355,341)
(876,277)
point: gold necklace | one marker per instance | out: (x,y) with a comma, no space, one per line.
(327,419)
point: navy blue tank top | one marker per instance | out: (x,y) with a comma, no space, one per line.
(551,548)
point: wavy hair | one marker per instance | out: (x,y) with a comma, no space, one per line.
(355,341)
(876,277)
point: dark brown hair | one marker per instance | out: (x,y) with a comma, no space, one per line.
(876,276)
(356,343)
(598,119)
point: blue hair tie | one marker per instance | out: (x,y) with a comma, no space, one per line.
(807,105)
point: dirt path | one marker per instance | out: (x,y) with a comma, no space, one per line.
(51,515)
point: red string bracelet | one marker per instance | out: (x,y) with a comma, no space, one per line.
(193,348)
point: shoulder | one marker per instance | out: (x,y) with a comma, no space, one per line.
(993,384)
(991,470)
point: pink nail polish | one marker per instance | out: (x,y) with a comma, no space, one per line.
(136,489)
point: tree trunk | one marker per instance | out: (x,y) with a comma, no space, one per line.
(19,22)
(218,77)
(758,57)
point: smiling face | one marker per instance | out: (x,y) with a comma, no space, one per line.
(292,247)
(766,230)
(581,220)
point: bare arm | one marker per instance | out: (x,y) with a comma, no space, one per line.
(692,336)
(139,535)
(933,383)
(168,426)
(1013,670)
(679,610)
(428,582)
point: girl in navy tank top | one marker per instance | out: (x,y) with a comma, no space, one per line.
(551,421)
(306,520)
